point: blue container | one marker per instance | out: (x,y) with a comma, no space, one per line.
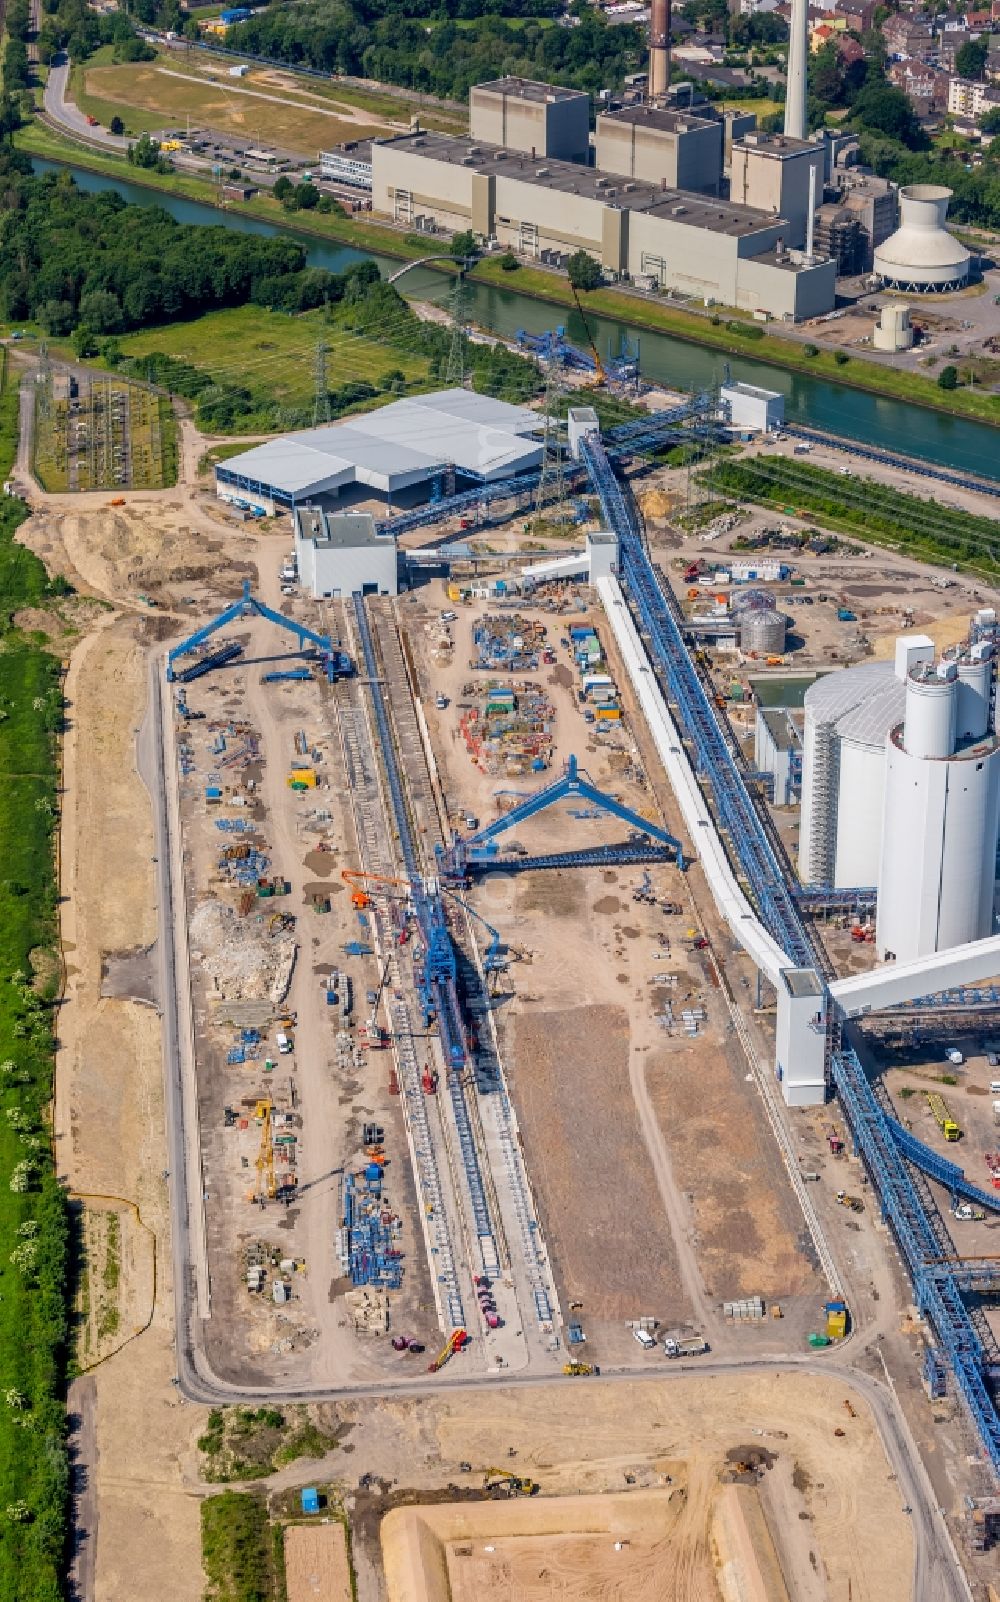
(310,1499)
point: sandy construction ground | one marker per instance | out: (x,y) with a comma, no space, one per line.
(109,1124)
(824,1518)
(316,1565)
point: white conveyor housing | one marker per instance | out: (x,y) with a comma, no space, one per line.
(800,1064)
(898,982)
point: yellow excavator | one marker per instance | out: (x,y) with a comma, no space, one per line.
(498,1482)
(578,1368)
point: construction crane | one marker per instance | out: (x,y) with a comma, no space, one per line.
(378,1036)
(267,1186)
(599,374)
(357,879)
(455,1342)
(503,1482)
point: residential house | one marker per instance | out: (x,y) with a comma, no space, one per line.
(925,86)
(905,37)
(968,99)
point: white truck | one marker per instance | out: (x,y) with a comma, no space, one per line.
(692,1346)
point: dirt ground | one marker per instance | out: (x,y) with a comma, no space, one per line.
(109,1124)
(316,1564)
(607,1232)
(830,1503)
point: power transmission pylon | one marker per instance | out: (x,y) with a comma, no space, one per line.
(321,395)
(552,483)
(458,308)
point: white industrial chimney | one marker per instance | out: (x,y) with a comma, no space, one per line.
(798,68)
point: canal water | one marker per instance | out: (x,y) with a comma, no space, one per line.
(894,425)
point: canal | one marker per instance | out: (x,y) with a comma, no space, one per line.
(877,420)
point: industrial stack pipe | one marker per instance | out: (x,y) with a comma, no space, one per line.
(659,49)
(798,68)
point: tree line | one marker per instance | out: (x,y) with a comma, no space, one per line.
(69,258)
(420,46)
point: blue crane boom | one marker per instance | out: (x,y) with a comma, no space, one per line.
(474,850)
(336,662)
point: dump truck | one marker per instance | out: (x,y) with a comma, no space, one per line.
(692,1346)
(579,1369)
(939,1107)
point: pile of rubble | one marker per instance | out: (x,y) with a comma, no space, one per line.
(245,962)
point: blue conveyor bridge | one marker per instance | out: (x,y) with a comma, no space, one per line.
(890,1153)
(335,662)
(477,852)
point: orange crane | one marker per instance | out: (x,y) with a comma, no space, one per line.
(357,879)
(600,376)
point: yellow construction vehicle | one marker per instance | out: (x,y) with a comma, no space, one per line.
(855,1203)
(499,1482)
(939,1107)
(578,1368)
(267,1185)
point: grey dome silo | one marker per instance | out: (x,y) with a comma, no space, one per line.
(922,255)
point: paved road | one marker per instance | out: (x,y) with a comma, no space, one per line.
(69,116)
(81,1407)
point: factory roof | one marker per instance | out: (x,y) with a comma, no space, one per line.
(753,391)
(528,89)
(663,118)
(341,530)
(403,443)
(782,731)
(778,145)
(864,702)
(569,177)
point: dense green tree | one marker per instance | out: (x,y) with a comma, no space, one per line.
(116,126)
(583,271)
(948,378)
(886,110)
(463,244)
(970,59)
(101,310)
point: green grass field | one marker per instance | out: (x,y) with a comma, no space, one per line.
(33,1219)
(874,512)
(273,355)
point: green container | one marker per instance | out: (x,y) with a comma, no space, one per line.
(819,1340)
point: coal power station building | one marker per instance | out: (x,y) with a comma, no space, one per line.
(651,214)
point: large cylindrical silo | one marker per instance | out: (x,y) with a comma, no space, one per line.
(763,631)
(929,727)
(975,686)
(939,840)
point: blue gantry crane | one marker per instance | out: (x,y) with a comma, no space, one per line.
(478,853)
(336,663)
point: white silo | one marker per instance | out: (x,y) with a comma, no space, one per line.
(941,817)
(975,688)
(931,704)
(848,716)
